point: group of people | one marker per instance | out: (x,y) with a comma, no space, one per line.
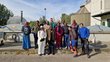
(52,36)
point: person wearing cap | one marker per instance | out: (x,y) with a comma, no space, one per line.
(41,40)
(26,36)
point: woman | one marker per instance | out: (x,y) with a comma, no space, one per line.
(75,27)
(58,35)
(72,35)
(41,40)
(26,36)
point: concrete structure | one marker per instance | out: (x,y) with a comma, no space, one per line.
(99,33)
(82,16)
(100,11)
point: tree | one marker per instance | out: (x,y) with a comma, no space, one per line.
(42,20)
(5,14)
(32,23)
(66,18)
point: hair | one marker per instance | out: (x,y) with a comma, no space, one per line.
(81,24)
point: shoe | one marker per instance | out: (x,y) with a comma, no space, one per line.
(40,54)
(88,56)
(75,55)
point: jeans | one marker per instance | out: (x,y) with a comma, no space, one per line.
(66,40)
(85,45)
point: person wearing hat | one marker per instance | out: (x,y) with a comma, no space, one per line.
(41,40)
(26,35)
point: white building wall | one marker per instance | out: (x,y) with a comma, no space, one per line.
(95,7)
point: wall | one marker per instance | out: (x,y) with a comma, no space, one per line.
(81,18)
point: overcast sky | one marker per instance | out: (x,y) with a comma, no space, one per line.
(34,9)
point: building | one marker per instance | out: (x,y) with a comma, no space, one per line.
(100,11)
(81,16)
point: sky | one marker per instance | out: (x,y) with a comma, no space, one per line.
(34,9)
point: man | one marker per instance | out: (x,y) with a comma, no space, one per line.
(66,36)
(84,35)
(35,31)
(52,23)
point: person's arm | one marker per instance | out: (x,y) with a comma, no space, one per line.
(22,28)
(88,33)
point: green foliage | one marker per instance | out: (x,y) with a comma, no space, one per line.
(32,23)
(5,14)
(66,18)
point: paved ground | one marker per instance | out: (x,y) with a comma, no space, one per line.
(100,54)
(103,57)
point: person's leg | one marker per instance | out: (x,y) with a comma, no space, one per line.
(64,44)
(39,48)
(68,41)
(43,47)
(49,49)
(36,38)
(87,47)
(83,47)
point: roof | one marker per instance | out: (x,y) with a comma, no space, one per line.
(99,29)
(12,28)
(83,9)
(101,14)
(15,20)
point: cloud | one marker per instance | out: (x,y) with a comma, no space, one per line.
(34,9)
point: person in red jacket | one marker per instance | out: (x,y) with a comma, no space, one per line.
(58,35)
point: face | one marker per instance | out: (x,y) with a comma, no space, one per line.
(58,24)
(81,25)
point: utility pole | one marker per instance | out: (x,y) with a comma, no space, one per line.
(21,16)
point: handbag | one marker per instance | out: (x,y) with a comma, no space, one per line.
(42,39)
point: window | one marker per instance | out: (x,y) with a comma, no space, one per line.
(108,22)
(103,23)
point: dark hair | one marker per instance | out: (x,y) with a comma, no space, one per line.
(81,24)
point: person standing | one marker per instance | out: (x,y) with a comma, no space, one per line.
(52,42)
(35,32)
(84,35)
(75,27)
(26,36)
(47,29)
(41,41)
(58,35)
(66,36)
(72,36)
(52,23)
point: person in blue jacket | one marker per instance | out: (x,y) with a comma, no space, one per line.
(84,35)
